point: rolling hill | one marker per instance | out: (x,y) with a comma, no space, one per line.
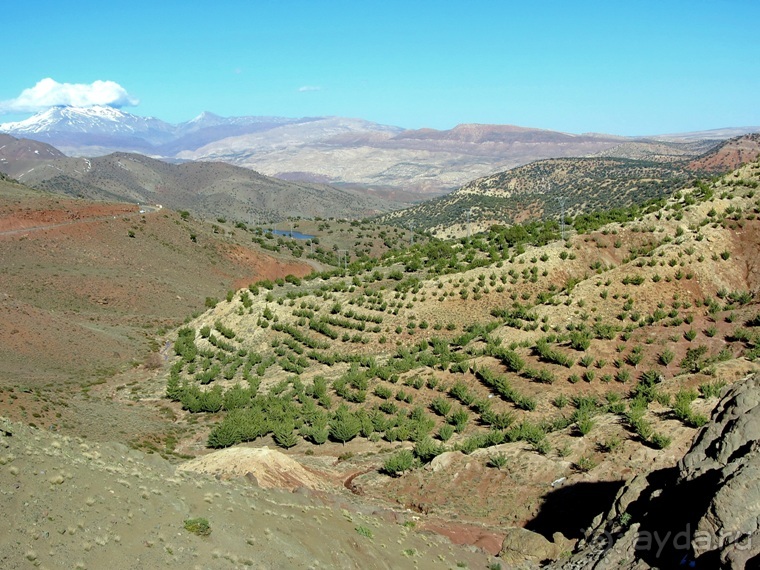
(206,189)
(426,161)
(85,284)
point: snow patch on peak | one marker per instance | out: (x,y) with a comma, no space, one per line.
(204,117)
(96,119)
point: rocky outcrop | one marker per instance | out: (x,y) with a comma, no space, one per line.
(704,513)
(727,450)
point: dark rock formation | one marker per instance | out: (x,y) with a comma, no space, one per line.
(705,513)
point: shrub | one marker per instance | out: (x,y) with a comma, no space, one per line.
(561,401)
(398,463)
(611,444)
(692,361)
(460,392)
(510,359)
(441,406)
(711,389)
(666,357)
(426,449)
(585,424)
(585,464)
(661,441)
(634,358)
(497,460)
(459,420)
(382,392)
(580,340)
(623,376)
(199,526)
(344,426)
(445,432)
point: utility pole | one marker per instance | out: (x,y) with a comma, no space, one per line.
(562,216)
(345,259)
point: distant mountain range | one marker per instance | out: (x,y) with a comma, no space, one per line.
(334,150)
(94,131)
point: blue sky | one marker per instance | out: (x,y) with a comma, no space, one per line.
(630,68)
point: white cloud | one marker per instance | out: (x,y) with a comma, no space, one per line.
(307,88)
(49,93)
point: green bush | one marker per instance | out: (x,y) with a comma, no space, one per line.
(666,357)
(585,464)
(711,389)
(584,425)
(661,441)
(344,426)
(199,526)
(426,449)
(497,460)
(441,406)
(398,463)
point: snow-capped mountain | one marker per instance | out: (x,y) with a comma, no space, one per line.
(85,131)
(92,120)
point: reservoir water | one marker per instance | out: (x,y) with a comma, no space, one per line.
(291,234)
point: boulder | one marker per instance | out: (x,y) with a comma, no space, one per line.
(523,548)
(444,460)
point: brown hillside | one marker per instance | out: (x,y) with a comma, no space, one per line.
(85,287)
(207,189)
(730,155)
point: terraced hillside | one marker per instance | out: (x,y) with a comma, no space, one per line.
(509,362)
